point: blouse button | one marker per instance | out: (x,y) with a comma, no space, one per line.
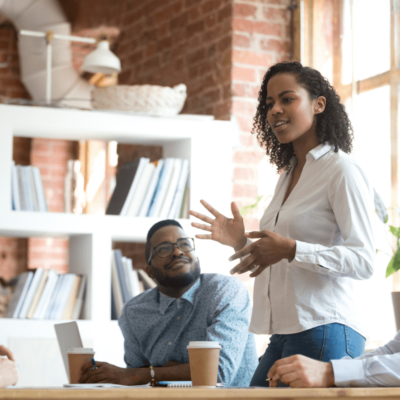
(169,343)
(178,318)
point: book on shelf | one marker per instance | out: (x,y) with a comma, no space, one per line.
(17,299)
(123,275)
(44,294)
(31,293)
(27,190)
(153,189)
(78,306)
(38,294)
(39,190)
(54,298)
(16,202)
(44,301)
(175,209)
(127,181)
(141,190)
(147,281)
(144,208)
(171,189)
(161,189)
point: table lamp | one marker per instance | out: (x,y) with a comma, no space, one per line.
(100,60)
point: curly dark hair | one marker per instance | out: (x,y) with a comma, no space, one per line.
(333,124)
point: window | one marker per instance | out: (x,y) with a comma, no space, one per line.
(354,43)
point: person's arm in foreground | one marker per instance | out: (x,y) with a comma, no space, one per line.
(138,371)
(376,368)
(8,372)
(108,373)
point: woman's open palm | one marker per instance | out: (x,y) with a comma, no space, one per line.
(227,231)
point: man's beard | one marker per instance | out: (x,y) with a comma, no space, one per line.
(180,280)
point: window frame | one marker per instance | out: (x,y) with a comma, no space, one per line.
(304,48)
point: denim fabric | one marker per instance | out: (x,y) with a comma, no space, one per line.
(324,343)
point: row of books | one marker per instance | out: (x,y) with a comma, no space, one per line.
(44,294)
(126,282)
(27,192)
(152,189)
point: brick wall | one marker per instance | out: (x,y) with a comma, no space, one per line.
(261,38)
(169,42)
(219,49)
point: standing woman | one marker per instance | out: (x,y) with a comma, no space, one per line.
(316,236)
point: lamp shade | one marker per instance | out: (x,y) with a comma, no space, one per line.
(102,60)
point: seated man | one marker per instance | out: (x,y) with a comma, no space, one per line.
(380,367)
(8,372)
(185,306)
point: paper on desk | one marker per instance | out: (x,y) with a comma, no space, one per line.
(103,386)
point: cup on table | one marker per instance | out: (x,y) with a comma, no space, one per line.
(78,356)
(204,361)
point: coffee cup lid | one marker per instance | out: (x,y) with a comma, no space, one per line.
(80,350)
(204,345)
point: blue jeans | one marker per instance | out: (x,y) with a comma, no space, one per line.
(324,343)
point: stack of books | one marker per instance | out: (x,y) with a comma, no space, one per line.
(126,282)
(158,189)
(27,191)
(44,294)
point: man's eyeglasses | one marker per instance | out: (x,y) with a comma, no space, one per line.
(165,249)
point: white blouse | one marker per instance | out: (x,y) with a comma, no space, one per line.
(328,213)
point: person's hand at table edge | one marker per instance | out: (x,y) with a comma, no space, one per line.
(108,373)
(301,372)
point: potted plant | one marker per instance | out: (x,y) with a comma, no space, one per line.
(394,263)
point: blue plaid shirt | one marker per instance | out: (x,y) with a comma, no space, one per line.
(157,328)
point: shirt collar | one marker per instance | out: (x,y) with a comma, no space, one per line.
(166,301)
(319,151)
(315,153)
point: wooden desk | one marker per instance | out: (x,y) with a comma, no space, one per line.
(198,394)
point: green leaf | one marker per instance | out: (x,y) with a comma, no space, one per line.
(387,218)
(394,231)
(394,264)
(247,209)
(389,268)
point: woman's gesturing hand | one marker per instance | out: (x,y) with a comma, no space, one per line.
(270,249)
(227,231)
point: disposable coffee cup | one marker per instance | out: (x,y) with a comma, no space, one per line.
(204,361)
(78,356)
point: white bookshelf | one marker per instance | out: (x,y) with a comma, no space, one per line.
(208,145)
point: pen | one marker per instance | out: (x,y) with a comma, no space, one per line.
(93,363)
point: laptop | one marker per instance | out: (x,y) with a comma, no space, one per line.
(67,336)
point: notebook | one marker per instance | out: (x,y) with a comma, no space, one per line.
(176,384)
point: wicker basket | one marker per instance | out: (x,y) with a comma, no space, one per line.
(145,99)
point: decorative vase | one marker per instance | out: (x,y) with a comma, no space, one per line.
(74,190)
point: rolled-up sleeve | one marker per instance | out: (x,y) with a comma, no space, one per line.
(379,370)
(229,327)
(375,368)
(351,199)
